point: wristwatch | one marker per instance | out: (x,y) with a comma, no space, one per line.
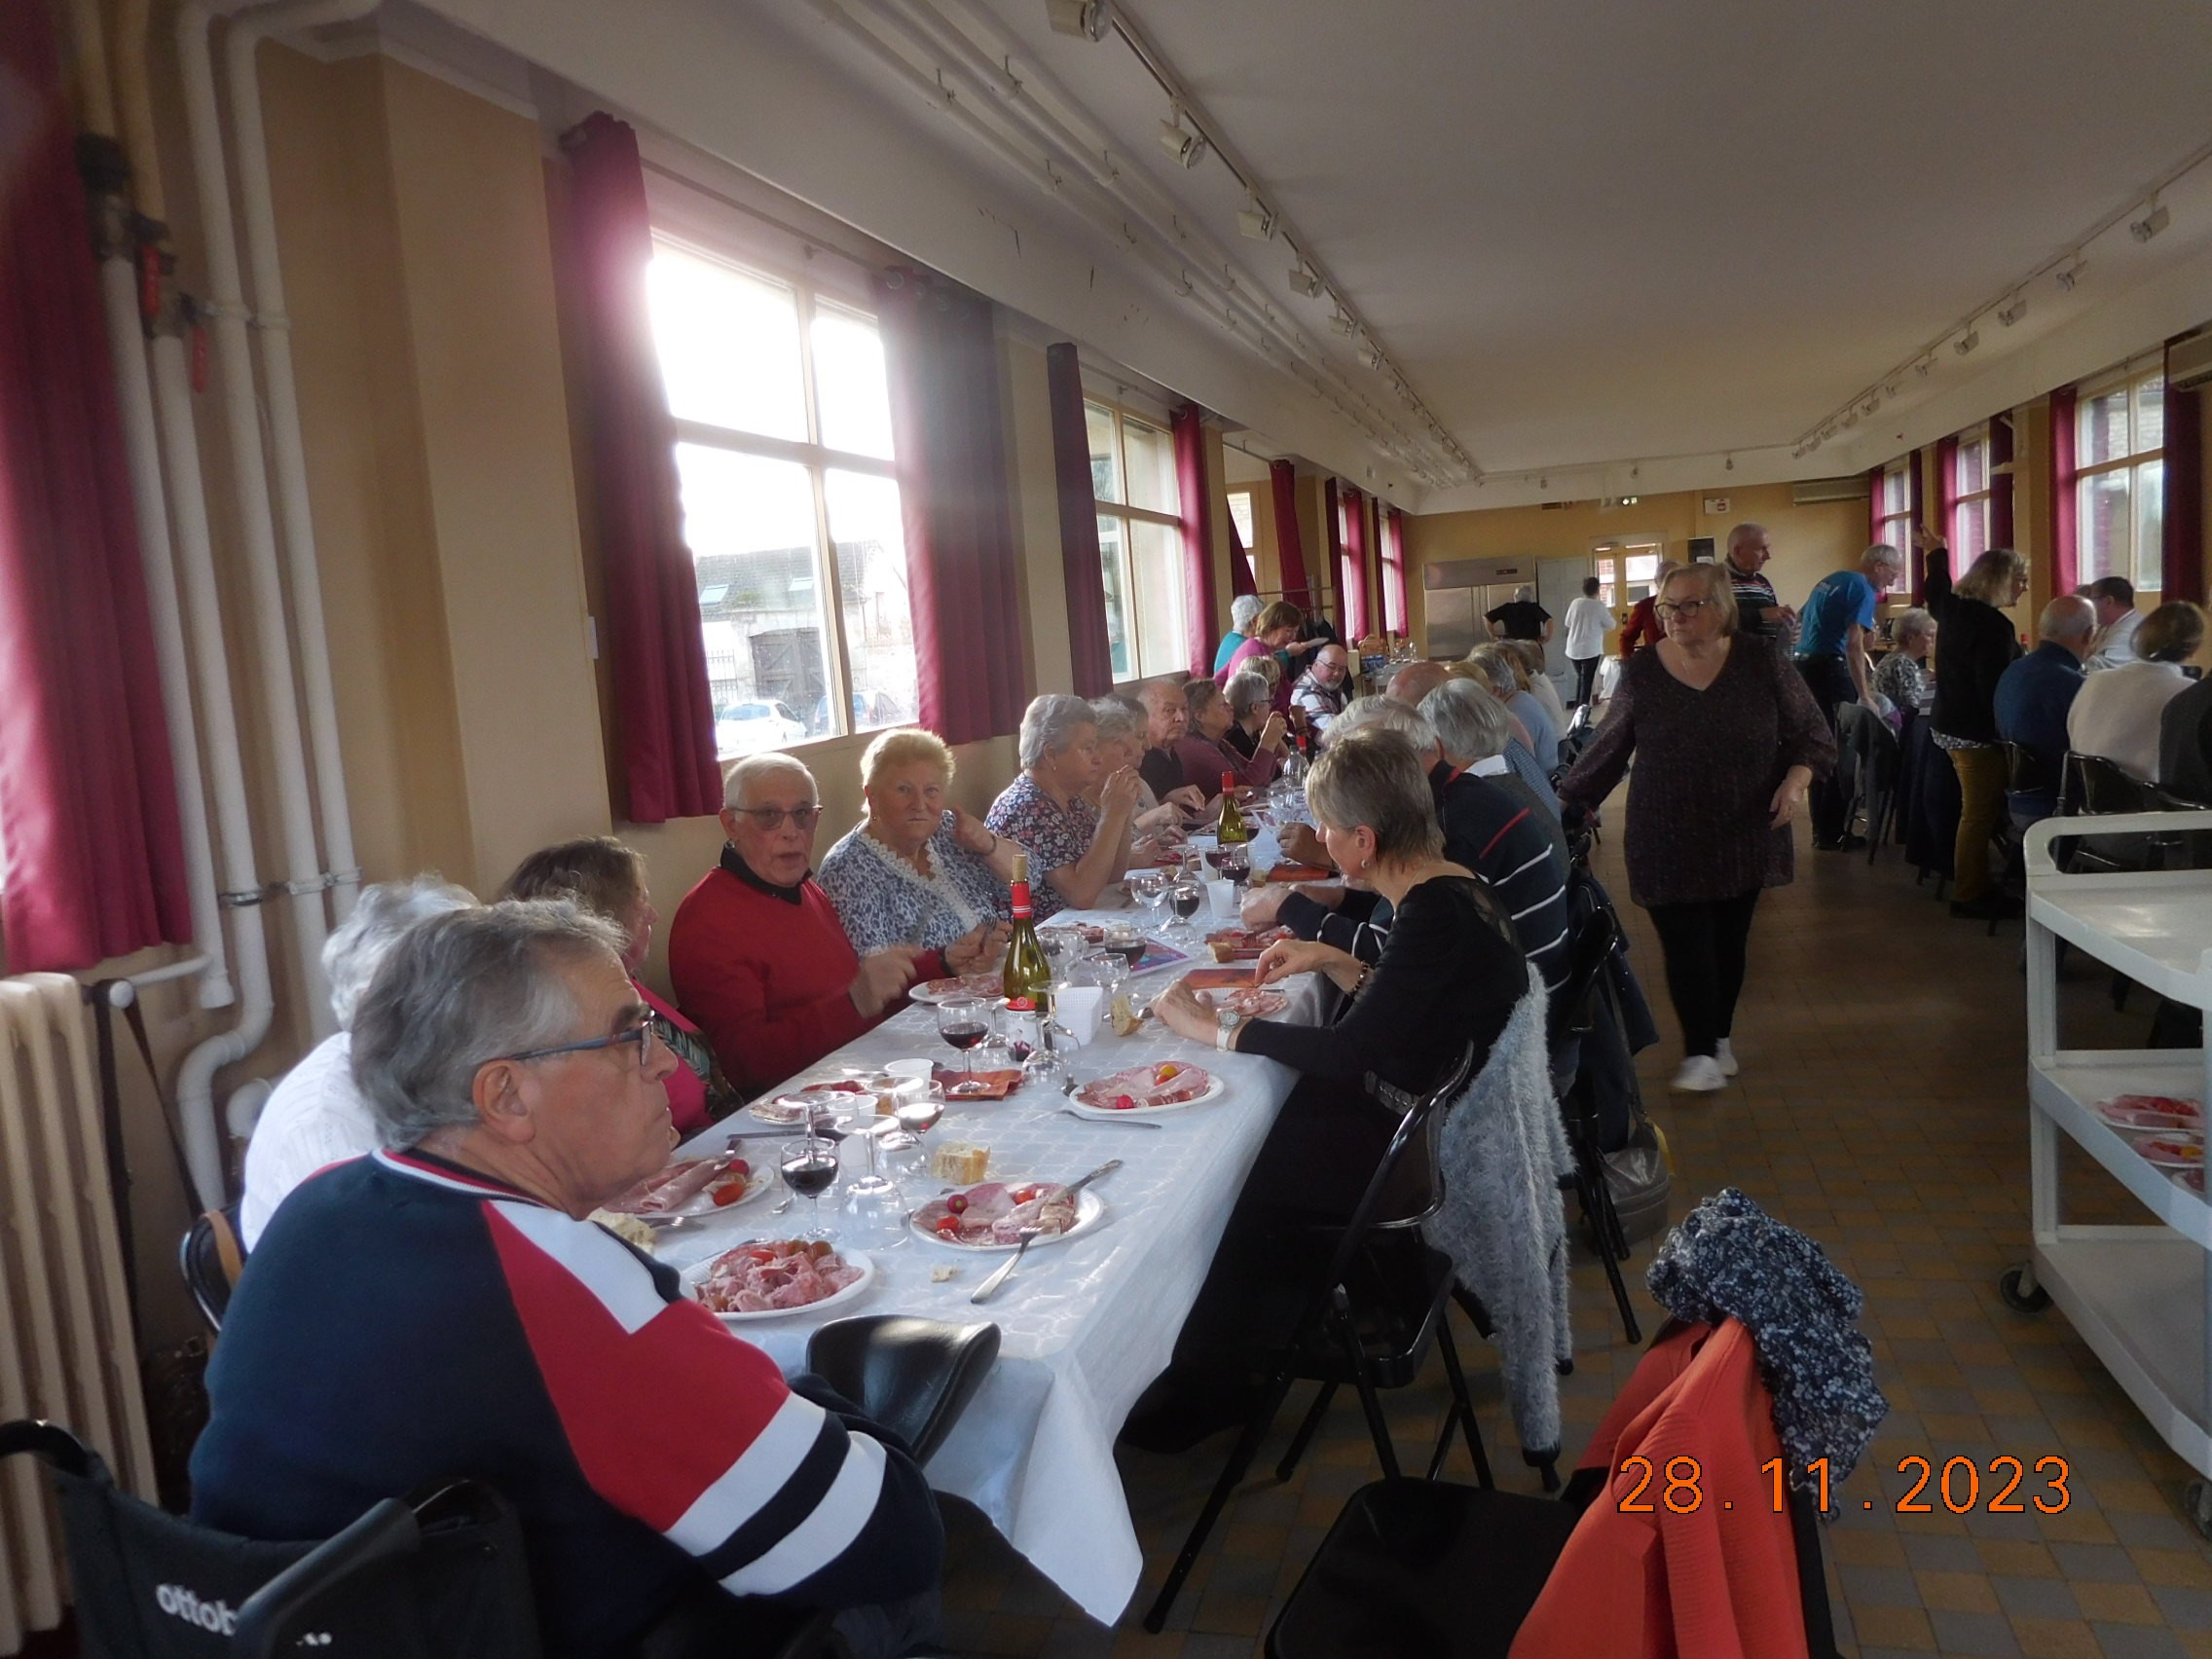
(1227,1019)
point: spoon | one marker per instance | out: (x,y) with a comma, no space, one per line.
(990,1286)
(1124,1122)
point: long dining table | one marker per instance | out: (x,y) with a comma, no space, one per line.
(1085,1323)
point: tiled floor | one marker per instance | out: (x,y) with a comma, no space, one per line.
(1882,1109)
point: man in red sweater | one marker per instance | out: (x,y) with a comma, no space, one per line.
(757,954)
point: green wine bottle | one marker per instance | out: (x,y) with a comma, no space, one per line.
(1028,970)
(1233,831)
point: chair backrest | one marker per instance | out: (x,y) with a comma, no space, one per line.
(441,1576)
(2026,772)
(914,1377)
(2106,789)
(1420,1120)
(212,1258)
(1597,936)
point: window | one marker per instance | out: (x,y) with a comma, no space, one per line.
(2119,475)
(1969,500)
(1140,542)
(1897,510)
(1240,515)
(1625,569)
(790,509)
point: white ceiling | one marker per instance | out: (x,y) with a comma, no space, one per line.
(1591,234)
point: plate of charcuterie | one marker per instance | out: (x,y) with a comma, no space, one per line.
(1146,1091)
(773,1278)
(827,1103)
(1253,1002)
(2176,1149)
(695,1186)
(2145,1112)
(935,991)
(992,1214)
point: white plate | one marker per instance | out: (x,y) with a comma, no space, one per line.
(860,1258)
(1089,1211)
(1214,1089)
(702,1206)
(929,999)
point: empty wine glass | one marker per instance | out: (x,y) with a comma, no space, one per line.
(1148,888)
(1105,969)
(966,1022)
(875,1210)
(809,1170)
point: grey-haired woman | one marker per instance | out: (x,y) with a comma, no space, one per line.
(1073,849)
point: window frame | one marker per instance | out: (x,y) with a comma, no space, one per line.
(1131,515)
(1973,437)
(811,296)
(1896,526)
(2132,376)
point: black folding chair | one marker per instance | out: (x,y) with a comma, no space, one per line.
(1426,1569)
(1598,936)
(212,1258)
(441,1574)
(1370,1321)
(1867,738)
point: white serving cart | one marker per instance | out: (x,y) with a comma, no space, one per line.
(2137,1293)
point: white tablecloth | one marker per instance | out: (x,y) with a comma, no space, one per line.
(1086,1324)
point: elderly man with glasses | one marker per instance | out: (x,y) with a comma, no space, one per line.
(756,953)
(444,1306)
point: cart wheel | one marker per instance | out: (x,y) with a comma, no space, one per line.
(2034,1300)
(2198,1498)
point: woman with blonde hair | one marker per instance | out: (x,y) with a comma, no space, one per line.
(1727,740)
(2117,712)
(1979,644)
(918,871)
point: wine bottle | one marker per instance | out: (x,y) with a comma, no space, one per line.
(1028,970)
(1233,831)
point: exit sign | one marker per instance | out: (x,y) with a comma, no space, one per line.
(1716,506)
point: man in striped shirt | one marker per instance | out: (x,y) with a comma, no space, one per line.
(442,1307)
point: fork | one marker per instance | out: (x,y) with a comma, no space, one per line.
(990,1286)
(1124,1122)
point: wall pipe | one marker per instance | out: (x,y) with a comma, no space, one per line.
(141,444)
(258,532)
(287,447)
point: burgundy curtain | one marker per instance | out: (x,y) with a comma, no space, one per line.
(1999,480)
(1202,614)
(1394,610)
(963,573)
(664,712)
(1333,531)
(2181,559)
(1874,504)
(2065,558)
(1241,581)
(1353,567)
(1946,509)
(1290,551)
(1089,651)
(95,859)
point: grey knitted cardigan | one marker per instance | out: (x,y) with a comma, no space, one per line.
(1502,1154)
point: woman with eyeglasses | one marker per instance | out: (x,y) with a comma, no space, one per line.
(608,879)
(1075,849)
(756,953)
(1727,740)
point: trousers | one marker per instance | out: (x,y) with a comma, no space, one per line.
(1829,682)
(1585,678)
(1982,798)
(1704,945)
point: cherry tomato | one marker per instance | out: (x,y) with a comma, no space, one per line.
(948,1226)
(729,1192)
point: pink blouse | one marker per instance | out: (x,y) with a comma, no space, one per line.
(687,1088)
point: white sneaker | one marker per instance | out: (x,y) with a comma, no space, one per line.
(1699,1074)
(1724,1056)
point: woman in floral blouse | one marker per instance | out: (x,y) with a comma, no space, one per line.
(1902,676)
(1075,850)
(915,871)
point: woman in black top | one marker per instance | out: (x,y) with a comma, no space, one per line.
(1451,973)
(1978,645)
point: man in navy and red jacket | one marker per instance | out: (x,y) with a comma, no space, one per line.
(443,1309)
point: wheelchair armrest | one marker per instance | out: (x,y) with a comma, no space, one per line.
(271,1622)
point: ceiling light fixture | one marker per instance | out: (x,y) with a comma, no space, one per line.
(1374,357)
(1188,148)
(1089,18)
(1256,220)
(1306,281)
(2013,309)
(1341,323)
(1967,342)
(1925,364)
(2073,274)
(2152,223)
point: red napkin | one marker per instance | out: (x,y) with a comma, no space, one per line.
(1300,873)
(1219,979)
(994,1085)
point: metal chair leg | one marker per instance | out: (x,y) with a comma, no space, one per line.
(1239,1461)
(1369,1402)
(1305,1429)
(1462,1409)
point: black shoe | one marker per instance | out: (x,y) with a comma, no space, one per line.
(1990,907)
(1849,845)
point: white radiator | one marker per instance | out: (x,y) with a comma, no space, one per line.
(67,1350)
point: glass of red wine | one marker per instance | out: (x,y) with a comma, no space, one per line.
(810,1170)
(966,1022)
(1184,897)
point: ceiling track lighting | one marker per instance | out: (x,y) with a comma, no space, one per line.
(1091,19)
(1967,342)
(1374,357)
(2152,223)
(1256,220)
(2069,278)
(2013,309)
(1341,323)
(1306,281)
(1188,148)
(1925,366)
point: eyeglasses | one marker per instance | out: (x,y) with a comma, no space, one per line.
(770,819)
(649,1034)
(1684,609)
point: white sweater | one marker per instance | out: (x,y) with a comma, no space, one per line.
(2117,715)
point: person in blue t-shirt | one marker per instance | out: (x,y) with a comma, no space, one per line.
(1832,655)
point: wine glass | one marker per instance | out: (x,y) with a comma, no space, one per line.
(1105,969)
(1128,943)
(809,1170)
(965,1022)
(1148,888)
(874,1205)
(1183,898)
